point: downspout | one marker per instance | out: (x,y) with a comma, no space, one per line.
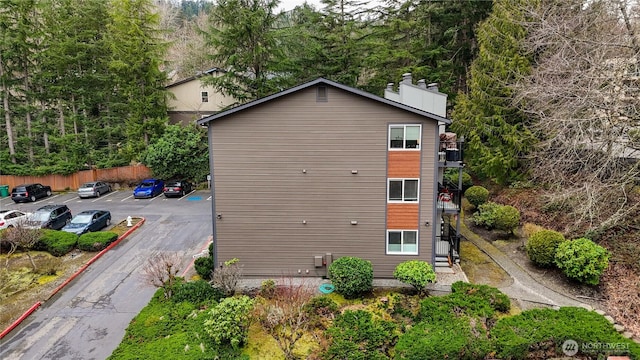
(213,196)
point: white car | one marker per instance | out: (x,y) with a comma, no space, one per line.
(12,218)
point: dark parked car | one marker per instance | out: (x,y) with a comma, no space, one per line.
(177,188)
(49,217)
(148,188)
(29,192)
(93,189)
(89,220)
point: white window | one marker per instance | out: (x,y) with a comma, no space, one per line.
(405,137)
(403,190)
(205,96)
(402,242)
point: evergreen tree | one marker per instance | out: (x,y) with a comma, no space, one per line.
(136,54)
(245,42)
(497,134)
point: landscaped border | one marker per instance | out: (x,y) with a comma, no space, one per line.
(66,282)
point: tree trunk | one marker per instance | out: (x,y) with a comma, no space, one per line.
(61,118)
(7,114)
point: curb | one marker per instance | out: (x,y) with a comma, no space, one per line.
(73,276)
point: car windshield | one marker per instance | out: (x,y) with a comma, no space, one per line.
(81,219)
(173,184)
(41,216)
(20,189)
(146,184)
(87,185)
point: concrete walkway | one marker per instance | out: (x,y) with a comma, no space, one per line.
(524,287)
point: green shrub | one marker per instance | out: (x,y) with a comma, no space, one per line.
(416,273)
(196,292)
(321,305)
(458,338)
(58,243)
(477,195)
(268,288)
(541,247)
(486,215)
(497,300)
(466,299)
(204,267)
(545,330)
(229,321)
(351,276)
(359,335)
(96,241)
(507,218)
(582,259)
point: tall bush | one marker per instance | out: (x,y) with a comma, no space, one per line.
(204,267)
(351,276)
(416,273)
(541,247)
(477,195)
(582,260)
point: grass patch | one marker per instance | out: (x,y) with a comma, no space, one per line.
(479,267)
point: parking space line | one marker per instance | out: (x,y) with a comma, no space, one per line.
(109,194)
(128,197)
(187,194)
(70,200)
(209,198)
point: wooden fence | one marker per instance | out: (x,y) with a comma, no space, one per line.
(124,175)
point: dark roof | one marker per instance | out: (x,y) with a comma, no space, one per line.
(199,75)
(323,81)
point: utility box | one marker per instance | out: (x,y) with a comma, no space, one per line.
(318,261)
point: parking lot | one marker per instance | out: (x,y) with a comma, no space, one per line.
(122,204)
(87,319)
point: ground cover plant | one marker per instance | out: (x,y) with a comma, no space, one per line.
(472,322)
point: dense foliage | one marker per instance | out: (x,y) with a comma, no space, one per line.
(180,153)
(80,82)
(351,276)
(541,247)
(360,334)
(507,218)
(416,273)
(197,292)
(545,330)
(204,267)
(228,322)
(582,259)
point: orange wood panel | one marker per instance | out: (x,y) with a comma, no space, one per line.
(402,216)
(403,164)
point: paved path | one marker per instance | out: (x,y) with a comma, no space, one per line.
(524,286)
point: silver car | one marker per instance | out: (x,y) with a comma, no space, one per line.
(93,189)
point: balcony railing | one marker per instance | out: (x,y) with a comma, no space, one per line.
(449,197)
(448,244)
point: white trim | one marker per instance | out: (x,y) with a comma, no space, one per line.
(403,201)
(402,231)
(404,137)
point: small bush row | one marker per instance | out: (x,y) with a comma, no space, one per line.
(580,259)
(96,241)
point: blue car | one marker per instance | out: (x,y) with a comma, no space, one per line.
(148,188)
(87,221)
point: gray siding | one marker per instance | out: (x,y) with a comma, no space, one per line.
(264,194)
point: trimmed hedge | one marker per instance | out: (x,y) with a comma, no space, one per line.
(204,267)
(507,218)
(58,243)
(96,241)
(351,276)
(582,260)
(541,247)
(477,195)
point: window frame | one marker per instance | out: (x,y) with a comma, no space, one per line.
(402,243)
(204,96)
(404,137)
(403,200)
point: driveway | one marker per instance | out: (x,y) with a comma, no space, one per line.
(87,319)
